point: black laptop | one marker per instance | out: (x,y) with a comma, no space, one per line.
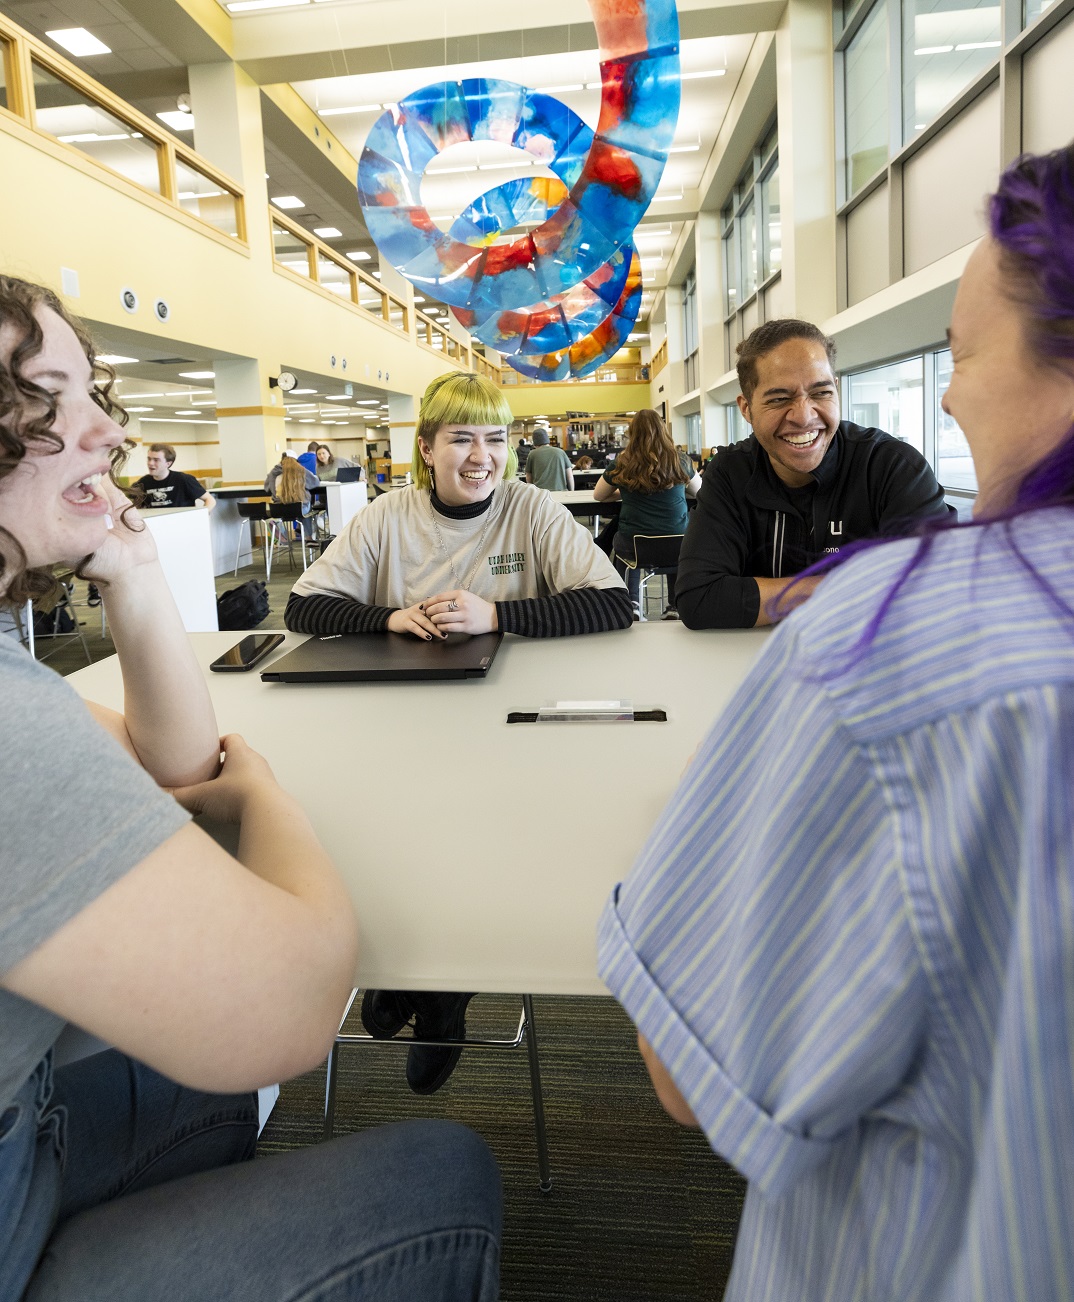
(385,658)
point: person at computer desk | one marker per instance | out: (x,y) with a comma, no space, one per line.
(863,991)
(805,484)
(329,465)
(466,548)
(126,1174)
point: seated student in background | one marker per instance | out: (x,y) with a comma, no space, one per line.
(859,983)
(651,477)
(309,481)
(804,485)
(329,465)
(164,486)
(292,486)
(125,1175)
(547,466)
(466,548)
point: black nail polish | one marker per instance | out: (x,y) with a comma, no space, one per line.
(428,637)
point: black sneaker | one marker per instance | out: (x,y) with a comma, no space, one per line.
(671,613)
(385,1012)
(93,597)
(439,1017)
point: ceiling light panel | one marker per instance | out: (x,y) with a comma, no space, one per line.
(79,42)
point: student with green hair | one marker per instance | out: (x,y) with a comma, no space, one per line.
(465,548)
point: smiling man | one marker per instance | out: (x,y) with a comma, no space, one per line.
(803,485)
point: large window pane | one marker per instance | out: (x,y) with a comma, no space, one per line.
(1034,9)
(75,119)
(954,465)
(730,271)
(748,239)
(202,197)
(866,64)
(944,48)
(892,398)
(770,222)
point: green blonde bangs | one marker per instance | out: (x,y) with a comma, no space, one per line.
(458,398)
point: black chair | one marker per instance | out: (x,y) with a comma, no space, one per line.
(253,511)
(280,516)
(654,555)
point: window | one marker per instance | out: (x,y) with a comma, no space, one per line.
(691,370)
(75,119)
(693,432)
(730,264)
(944,49)
(748,227)
(954,465)
(1034,9)
(752,244)
(289,250)
(772,243)
(866,104)
(738,427)
(892,398)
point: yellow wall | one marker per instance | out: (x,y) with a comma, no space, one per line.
(557,399)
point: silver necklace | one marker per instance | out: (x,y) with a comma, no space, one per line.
(477,559)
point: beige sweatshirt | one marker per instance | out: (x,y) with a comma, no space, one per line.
(399,551)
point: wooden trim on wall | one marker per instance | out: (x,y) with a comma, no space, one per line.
(248,411)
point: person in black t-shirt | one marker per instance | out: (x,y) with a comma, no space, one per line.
(164,486)
(804,485)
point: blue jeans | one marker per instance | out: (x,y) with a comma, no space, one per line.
(121,1185)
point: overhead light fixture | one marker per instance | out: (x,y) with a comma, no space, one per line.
(307,420)
(246,6)
(327,232)
(359,255)
(114,359)
(85,137)
(287,201)
(665,198)
(79,42)
(170,420)
(337,397)
(684,149)
(367,402)
(194,412)
(197,375)
(133,411)
(295,392)
(350,108)
(177,120)
(652,262)
(709,72)
(129,397)
(978,45)
(935,49)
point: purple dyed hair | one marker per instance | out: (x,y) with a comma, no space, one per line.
(1031,218)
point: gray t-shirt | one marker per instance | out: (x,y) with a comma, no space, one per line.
(547,467)
(79,813)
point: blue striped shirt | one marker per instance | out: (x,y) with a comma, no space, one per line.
(850,937)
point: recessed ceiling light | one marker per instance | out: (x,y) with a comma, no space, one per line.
(978,45)
(367,402)
(693,76)
(359,255)
(684,149)
(307,420)
(663,198)
(935,49)
(177,121)
(134,410)
(114,359)
(327,232)
(79,42)
(245,6)
(297,391)
(350,108)
(289,201)
(195,412)
(197,375)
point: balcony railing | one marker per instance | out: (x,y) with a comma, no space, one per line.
(434,335)
(613,373)
(56,99)
(660,358)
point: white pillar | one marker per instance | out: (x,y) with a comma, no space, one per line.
(710,333)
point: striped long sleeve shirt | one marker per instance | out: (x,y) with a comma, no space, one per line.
(850,938)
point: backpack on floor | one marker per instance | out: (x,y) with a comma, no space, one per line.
(243,607)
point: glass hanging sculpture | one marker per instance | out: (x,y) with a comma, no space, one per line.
(555,300)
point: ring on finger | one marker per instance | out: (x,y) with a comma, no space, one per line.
(453,604)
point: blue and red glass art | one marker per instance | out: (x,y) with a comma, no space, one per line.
(561,299)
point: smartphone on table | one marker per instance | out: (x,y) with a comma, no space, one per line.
(247,653)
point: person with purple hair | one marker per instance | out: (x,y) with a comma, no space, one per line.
(860,982)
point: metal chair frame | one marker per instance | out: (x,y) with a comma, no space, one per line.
(29,639)
(656,565)
(526,1031)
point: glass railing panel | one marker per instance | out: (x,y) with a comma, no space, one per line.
(202,197)
(334,277)
(289,250)
(77,120)
(5,76)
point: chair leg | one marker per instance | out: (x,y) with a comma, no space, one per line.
(27,636)
(543,1167)
(270,547)
(238,545)
(69,603)
(330,1093)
